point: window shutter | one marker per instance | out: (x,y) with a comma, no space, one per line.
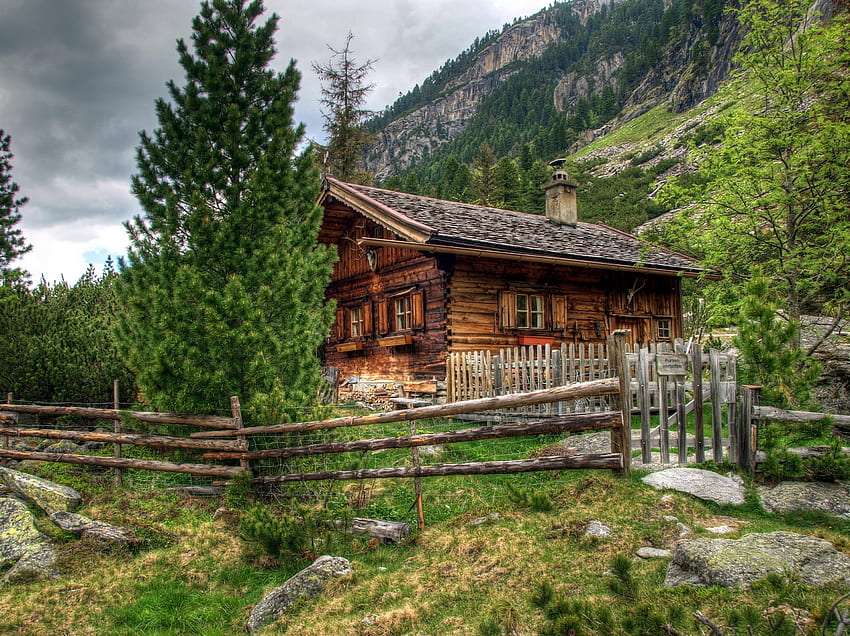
(417,308)
(559,312)
(507,310)
(340,323)
(367,318)
(383,325)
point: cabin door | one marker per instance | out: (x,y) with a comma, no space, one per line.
(640,329)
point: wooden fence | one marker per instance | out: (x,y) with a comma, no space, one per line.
(752,414)
(9,428)
(611,419)
(476,374)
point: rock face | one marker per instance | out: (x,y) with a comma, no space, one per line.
(308,583)
(699,483)
(741,562)
(794,496)
(96,530)
(45,494)
(574,85)
(21,544)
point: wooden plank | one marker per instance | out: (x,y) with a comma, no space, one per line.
(644,401)
(205,421)
(605,386)
(394,531)
(548,426)
(135,439)
(618,363)
(681,419)
(696,383)
(664,432)
(138,464)
(716,405)
(731,407)
(610,461)
(116,428)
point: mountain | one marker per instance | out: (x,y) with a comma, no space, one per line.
(554,80)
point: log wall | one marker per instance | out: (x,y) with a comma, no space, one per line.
(597,303)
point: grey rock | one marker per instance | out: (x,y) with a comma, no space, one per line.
(647,552)
(684,531)
(64,446)
(741,562)
(795,496)
(21,544)
(480,521)
(96,530)
(721,529)
(699,483)
(45,494)
(308,583)
(597,530)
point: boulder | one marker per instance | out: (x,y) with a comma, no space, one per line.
(21,544)
(95,530)
(64,446)
(45,494)
(704,484)
(308,583)
(796,496)
(597,530)
(480,521)
(741,562)
(647,552)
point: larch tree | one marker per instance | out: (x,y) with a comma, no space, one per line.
(12,242)
(224,279)
(344,91)
(484,176)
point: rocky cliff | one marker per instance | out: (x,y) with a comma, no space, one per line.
(689,70)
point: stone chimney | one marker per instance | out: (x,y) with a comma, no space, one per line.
(561,204)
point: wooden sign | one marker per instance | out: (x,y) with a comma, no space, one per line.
(671,363)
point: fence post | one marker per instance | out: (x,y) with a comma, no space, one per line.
(9,398)
(621,441)
(747,431)
(236,411)
(699,428)
(116,427)
(417,481)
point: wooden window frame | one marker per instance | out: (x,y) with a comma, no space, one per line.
(356,322)
(405,314)
(530,312)
(669,327)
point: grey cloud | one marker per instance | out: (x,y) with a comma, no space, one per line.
(78,79)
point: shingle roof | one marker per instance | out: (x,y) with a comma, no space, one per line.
(454,223)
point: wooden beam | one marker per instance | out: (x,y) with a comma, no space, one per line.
(773,413)
(152,441)
(113,462)
(607,386)
(611,461)
(204,421)
(581,422)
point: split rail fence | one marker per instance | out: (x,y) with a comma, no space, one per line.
(11,428)
(698,379)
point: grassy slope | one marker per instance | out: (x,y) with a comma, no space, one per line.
(194,577)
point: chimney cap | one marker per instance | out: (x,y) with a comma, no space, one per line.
(558,163)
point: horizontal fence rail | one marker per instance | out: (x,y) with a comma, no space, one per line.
(203,421)
(135,439)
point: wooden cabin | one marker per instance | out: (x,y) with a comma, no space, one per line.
(419,277)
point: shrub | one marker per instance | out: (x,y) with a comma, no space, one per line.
(536,501)
(276,535)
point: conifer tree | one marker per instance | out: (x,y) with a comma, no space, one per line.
(483,176)
(12,243)
(224,280)
(344,92)
(507,185)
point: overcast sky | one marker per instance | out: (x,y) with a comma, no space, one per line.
(78,79)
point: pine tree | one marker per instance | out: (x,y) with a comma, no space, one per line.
(344,92)
(224,280)
(12,243)
(508,190)
(483,176)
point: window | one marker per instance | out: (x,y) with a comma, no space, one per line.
(356,322)
(529,311)
(663,329)
(403,314)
